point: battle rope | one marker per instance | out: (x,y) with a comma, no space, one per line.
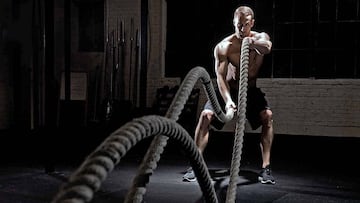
(240,123)
(88,177)
(149,163)
(152,156)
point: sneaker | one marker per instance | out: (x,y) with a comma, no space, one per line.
(189,176)
(188,170)
(265,176)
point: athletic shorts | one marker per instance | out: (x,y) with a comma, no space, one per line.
(256,103)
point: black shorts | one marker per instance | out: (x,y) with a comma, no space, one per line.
(256,103)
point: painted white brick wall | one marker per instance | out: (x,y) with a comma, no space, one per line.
(309,107)
(314,107)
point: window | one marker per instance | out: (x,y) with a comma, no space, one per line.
(311,38)
(319,37)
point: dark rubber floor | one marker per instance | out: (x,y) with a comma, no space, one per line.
(306,169)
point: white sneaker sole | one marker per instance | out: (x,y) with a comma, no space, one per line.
(266,181)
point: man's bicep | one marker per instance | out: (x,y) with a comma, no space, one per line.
(221,69)
(219,60)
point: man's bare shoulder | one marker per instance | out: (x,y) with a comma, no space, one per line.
(225,44)
(259,35)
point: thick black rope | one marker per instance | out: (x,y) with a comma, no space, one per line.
(149,163)
(240,123)
(87,179)
(93,171)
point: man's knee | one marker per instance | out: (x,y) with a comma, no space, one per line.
(206,116)
(266,118)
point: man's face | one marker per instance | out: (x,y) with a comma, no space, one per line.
(243,25)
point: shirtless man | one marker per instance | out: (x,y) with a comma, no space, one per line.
(227,63)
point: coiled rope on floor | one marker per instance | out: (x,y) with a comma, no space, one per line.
(240,122)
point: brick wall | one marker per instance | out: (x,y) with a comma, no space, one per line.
(314,107)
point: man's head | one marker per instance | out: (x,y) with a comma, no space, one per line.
(243,21)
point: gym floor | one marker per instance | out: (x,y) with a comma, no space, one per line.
(306,169)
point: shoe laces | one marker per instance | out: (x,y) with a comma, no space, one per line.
(267,171)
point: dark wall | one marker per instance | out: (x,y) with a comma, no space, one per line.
(308,36)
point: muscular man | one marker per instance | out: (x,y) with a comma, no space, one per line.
(227,62)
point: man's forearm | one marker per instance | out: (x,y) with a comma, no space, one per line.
(224,89)
(261,43)
(261,46)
